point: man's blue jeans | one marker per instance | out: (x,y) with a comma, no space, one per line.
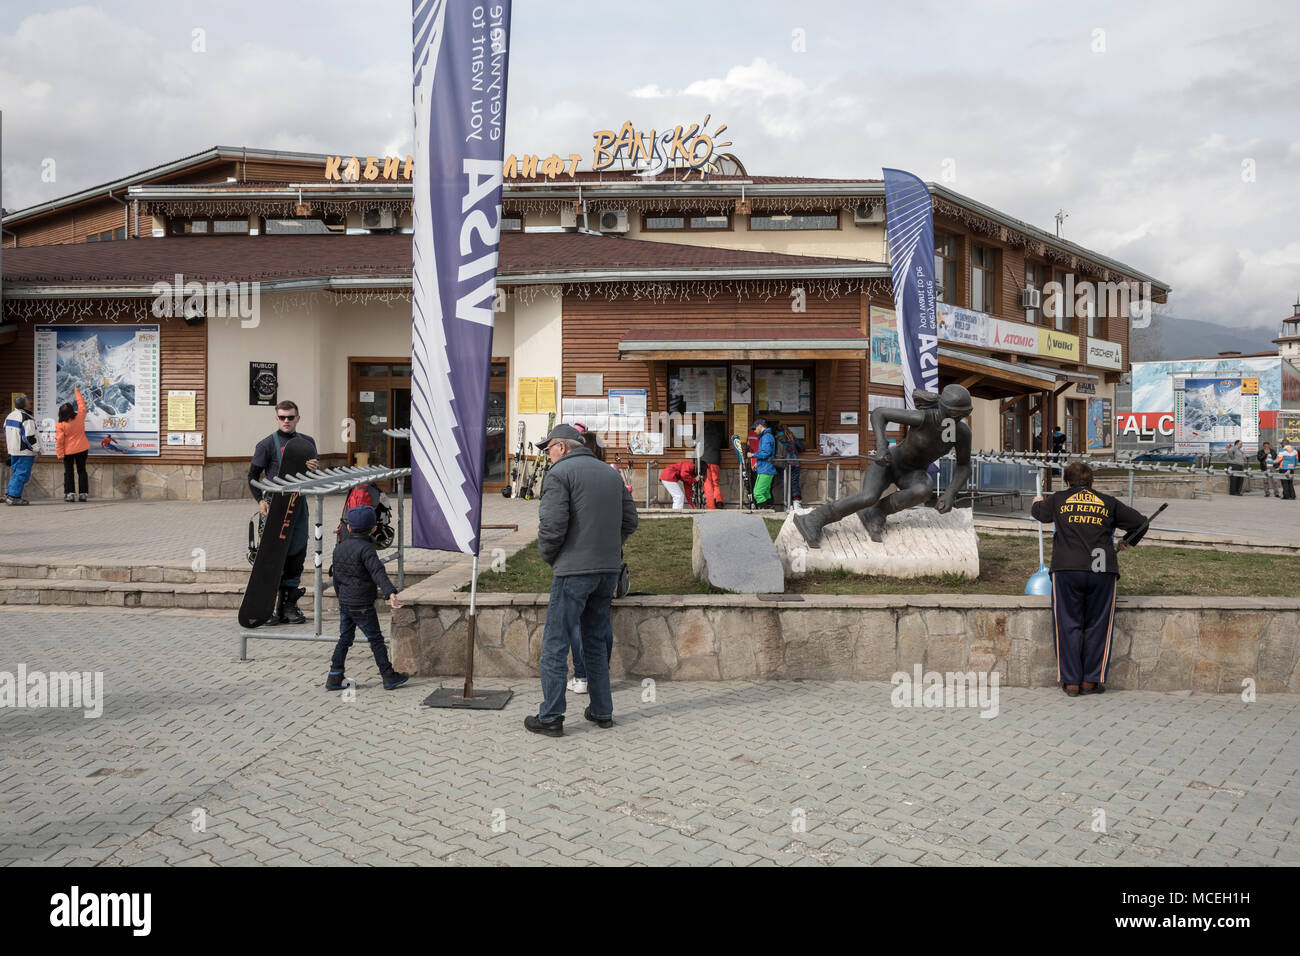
(575,644)
(578,601)
(22,471)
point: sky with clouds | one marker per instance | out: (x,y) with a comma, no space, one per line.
(1167,131)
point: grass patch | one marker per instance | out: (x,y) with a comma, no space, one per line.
(659,557)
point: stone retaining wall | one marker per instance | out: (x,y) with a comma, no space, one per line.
(1166,644)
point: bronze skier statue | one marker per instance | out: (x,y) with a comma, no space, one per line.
(934,428)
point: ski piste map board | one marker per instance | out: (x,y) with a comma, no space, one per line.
(116,368)
(264,581)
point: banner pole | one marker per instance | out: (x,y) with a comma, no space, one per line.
(469,640)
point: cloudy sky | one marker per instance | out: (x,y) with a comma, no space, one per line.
(1169,132)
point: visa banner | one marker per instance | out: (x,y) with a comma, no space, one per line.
(460,55)
(909,217)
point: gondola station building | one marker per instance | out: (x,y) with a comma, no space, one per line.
(189,298)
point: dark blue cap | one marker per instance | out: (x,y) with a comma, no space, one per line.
(361,518)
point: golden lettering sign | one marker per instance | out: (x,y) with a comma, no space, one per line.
(649,152)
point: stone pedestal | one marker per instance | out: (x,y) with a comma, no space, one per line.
(919,542)
(734,552)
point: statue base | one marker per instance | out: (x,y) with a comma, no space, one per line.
(918,543)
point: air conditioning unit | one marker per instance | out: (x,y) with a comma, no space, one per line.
(379,219)
(1031,299)
(614,220)
(865,214)
(568,217)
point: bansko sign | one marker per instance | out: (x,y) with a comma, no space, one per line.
(649,153)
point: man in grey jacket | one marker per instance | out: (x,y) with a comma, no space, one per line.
(586,514)
(1236,468)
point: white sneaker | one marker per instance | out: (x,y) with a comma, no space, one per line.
(578,685)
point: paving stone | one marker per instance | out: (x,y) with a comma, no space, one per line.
(286,776)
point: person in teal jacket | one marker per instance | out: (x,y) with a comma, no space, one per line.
(764,468)
(1286,463)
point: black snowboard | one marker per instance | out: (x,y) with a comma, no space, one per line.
(264,582)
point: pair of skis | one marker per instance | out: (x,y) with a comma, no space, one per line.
(525,476)
(746,489)
(516,469)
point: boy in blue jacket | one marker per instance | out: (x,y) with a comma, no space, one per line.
(358,572)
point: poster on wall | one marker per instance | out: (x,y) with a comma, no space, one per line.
(742,390)
(1100,431)
(263,383)
(843,444)
(781,390)
(117,369)
(886,358)
(698,389)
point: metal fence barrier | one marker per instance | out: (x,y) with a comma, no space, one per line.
(318,484)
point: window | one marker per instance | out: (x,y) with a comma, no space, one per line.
(983,279)
(512,222)
(945,266)
(229,226)
(680,222)
(294,227)
(1096,314)
(782,221)
(783,391)
(1062,318)
(1034,278)
(119,232)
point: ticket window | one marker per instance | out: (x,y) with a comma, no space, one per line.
(784,395)
(695,390)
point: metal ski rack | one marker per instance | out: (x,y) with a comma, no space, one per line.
(319,484)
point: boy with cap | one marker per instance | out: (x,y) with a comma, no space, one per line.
(357,573)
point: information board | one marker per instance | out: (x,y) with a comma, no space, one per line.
(116,367)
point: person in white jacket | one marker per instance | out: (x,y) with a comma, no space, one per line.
(20,441)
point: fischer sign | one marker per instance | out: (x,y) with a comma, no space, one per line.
(1146,426)
(1013,337)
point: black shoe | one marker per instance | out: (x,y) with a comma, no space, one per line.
(289,613)
(395,679)
(335,681)
(554,729)
(1099,689)
(604,724)
(1070,693)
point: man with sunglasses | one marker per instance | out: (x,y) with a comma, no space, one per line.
(266,464)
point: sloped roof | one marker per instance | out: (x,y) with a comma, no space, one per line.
(266,258)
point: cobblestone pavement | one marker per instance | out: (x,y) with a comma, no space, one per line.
(198,760)
(166,533)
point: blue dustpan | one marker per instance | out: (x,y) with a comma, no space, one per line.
(1040,582)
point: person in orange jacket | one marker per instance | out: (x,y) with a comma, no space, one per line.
(72,447)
